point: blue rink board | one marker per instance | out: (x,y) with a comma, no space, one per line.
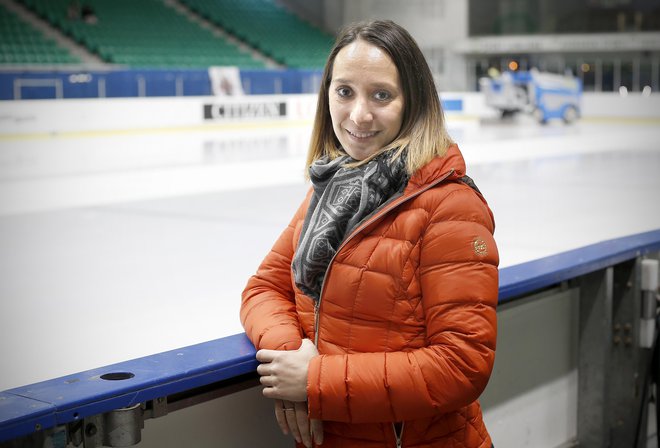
(26,409)
(537,274)
(73,397)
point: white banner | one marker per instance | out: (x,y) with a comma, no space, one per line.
(226,81)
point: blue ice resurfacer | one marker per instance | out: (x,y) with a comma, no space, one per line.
(544,95)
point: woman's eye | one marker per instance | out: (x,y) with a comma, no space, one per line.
(344,91)
(382,95)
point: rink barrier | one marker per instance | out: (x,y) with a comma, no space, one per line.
(45,119)
(108,405)
(92,117)
(537,274)
(126,83)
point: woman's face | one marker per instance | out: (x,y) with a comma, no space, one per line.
(365,98)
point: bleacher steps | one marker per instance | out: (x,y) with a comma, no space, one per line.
(218,31)
(89,59)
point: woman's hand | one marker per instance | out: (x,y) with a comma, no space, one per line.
(284,373)
(292,417)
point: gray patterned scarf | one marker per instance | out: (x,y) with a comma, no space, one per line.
(343,197)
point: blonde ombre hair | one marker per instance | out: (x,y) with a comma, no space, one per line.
(423,130)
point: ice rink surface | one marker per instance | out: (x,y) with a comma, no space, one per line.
(120,245)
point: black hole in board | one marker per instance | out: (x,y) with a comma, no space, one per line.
(117,376)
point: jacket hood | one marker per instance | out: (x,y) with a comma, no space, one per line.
(439,167)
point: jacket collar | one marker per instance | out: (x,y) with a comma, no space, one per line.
(438,168)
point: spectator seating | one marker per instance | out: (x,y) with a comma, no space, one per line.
(21,43)
(268,27)
(140,34)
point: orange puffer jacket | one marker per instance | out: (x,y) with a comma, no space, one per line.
(406,320)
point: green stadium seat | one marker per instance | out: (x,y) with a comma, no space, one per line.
(141,33)
(147,33)
(23,44)
(270,28)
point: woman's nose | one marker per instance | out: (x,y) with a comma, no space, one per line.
(361,113)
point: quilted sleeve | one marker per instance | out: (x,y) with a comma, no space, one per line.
(268,309)
(459,282)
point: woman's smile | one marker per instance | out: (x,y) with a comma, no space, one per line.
(361,135)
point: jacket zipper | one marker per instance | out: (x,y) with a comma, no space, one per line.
(317,305)
(398,435)
(394,204)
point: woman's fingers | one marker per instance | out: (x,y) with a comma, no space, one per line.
(284,377)
(280,417)
(316,429)
(265,355)
(287,371)
(263,369)
(290,415)
(303,423)
(268,381)
(292,419)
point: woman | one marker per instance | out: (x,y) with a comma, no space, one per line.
(374,312)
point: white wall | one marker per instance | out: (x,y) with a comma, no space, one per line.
(91,115)
(610,104)
(83,115)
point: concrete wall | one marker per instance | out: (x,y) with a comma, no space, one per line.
(437,25)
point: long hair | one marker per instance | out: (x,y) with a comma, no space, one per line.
(422,131)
